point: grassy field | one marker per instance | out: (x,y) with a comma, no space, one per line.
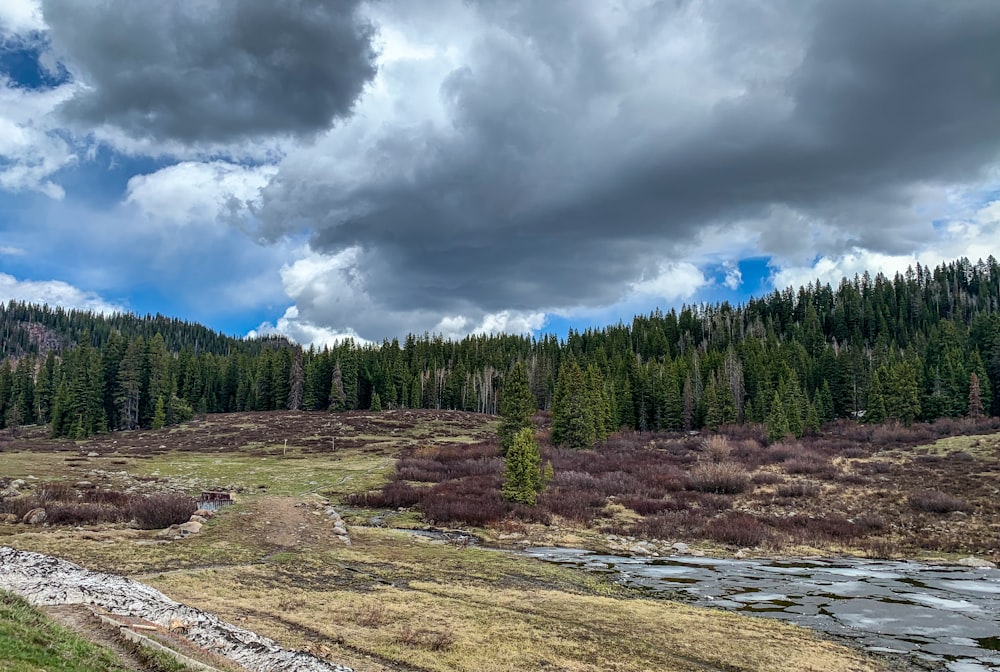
(31,642)
(390,600)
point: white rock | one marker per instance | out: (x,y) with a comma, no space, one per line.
(680,547)
(977,563)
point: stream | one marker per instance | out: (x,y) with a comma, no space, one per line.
(942,617)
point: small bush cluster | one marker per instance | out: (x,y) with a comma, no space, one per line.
(724,478)
(738,529)
(935,501)
(64,505)
(797,489)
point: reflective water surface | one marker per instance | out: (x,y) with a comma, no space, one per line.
(945,616)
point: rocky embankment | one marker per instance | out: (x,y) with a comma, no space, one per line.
(44,580)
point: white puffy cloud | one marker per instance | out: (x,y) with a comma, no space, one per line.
(734,277)
(20,16)
(11,251)
(31,149)
(672,281)
(190,192)
(975,237)
(53,293)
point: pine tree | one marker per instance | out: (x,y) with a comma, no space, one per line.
(975,397)
(517,405)
(777,421)
(522,469)
(159,414)
(338,399)
(572,413)
(376,404)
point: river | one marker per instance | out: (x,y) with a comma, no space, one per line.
(943,617)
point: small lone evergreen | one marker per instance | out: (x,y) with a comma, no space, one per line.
(522,472)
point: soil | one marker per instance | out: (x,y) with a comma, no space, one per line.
(81,620)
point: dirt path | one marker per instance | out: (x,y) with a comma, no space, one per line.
(81,620)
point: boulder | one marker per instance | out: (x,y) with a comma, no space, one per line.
(10,518)
(977,563)
(84,485)
(35,516)
(680,547)
(190,527)
(9,491)
(204,513)
(195,518)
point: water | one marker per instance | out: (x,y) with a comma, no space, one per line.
(943,616)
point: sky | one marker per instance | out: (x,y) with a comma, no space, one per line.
(343,168)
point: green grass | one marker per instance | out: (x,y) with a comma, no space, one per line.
(29,642)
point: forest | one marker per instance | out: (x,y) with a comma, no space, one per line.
(921,345)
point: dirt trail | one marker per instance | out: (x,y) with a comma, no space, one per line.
(81,620)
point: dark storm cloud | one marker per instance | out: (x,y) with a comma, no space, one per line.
(213,71)
(567,173)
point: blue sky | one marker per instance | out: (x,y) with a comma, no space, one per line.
(369,169)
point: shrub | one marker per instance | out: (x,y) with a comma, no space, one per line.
(766,478)
(717,448)
(110,497)
(644,506)
(474,500)
(394,495)
(154,512)
(57,492)
(81,513)
(727,478)
(811,464)
(935,501)
(19,505)
(738,529)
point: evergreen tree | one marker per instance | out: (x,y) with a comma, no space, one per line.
(522,469)
(777,421)
(975,397)
(338,399)
(376,404)
(517,405)
(572,412)
(159,414)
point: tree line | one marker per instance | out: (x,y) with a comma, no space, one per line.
(920,345)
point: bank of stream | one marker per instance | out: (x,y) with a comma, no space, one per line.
(942,617)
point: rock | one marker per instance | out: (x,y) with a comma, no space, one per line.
(740,554)
(93,454)
(84,485)
(339,530)
(195,518)
(9,491)
(680,547)
(35,516)
(190,527)
(639,549)
(204,513)
(977,563)
(168,532)
(18,483)
(698,554)
(10,518)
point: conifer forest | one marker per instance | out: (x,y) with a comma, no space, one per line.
(915,347)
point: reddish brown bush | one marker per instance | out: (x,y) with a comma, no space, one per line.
(726,478)
(394,495)
(738,529)
(153,512)
(766,478)
(935,501)
(81,513)
(644,506)
(474,500)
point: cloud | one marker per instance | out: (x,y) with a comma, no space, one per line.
(10,251)
(20,16)
(191,193)
(734,277)
(570,149)
(975,237)
(31,149)
(53,293)
(212,72)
